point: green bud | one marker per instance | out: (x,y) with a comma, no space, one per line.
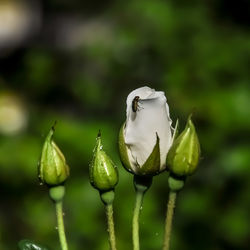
(103,172)
(53,169)
(183,156)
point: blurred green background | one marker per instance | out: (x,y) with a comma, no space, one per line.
(76,62)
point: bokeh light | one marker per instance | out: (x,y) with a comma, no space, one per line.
(13,114)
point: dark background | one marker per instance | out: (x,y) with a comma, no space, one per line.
(76,62)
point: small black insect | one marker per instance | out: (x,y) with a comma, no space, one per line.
(135,104)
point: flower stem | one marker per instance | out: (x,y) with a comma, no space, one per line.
(142,184)
(61,231)
(135,223)
(169,219)
(111,228)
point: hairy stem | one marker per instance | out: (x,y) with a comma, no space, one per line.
(169,219)
(60,224)
(135,222)
(111,228)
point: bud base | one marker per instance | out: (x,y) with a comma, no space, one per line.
(176,183)
(57,193)
(107,197)
(142,183)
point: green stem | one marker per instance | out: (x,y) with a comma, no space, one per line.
(142,184)
(169,219)
(111,228)
(135,222)
(61,231)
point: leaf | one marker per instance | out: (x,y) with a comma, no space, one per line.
(30,245)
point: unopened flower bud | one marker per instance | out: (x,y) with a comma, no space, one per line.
(53,169)
(146,136)
(103,172)
(183,156)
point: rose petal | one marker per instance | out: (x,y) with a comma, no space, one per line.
(151,117)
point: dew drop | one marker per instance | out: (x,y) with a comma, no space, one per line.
(56,228)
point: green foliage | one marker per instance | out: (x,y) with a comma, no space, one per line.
(197,53)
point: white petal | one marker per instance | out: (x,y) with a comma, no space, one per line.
(151,117)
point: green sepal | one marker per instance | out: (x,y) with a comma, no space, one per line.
(53,169)
(153,163)
(123,150)
(176,130)
(30,245)
(103,172)
(183,156)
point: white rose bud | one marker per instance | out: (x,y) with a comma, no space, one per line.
(146,136)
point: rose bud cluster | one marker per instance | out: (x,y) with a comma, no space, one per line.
(148,144)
